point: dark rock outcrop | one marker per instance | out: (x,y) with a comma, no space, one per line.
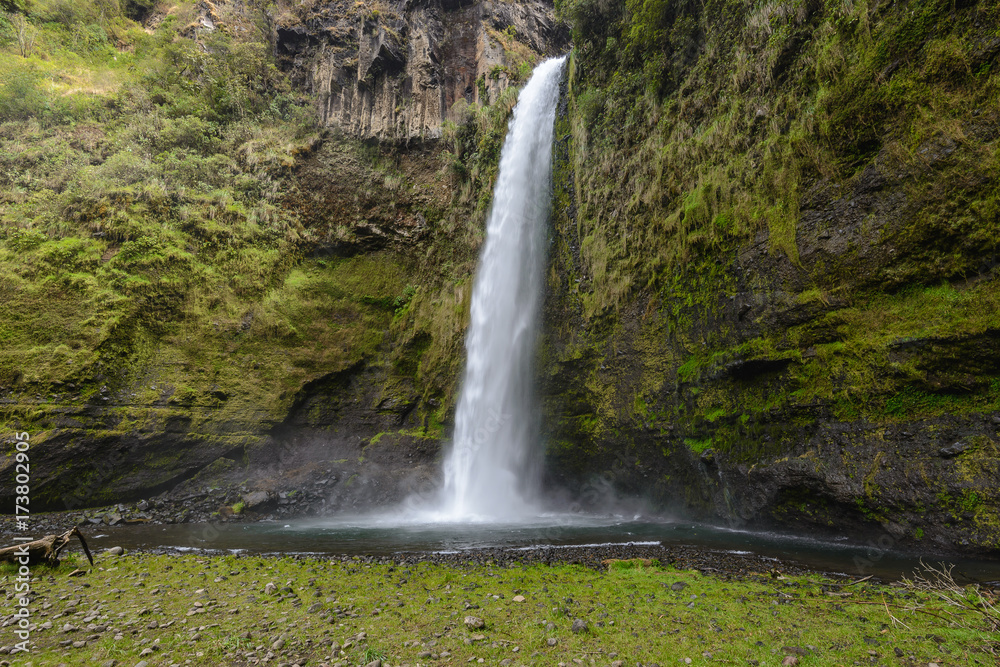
(397,73)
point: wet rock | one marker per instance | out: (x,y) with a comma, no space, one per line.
(255,499)
(708,456)
(953,450)
(430,54)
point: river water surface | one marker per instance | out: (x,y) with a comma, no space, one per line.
(388,535)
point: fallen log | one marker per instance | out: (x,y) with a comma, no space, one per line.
(43,550)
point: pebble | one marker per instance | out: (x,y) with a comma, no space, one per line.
(579,625)
(474,622)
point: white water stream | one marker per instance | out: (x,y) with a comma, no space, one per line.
(491,473)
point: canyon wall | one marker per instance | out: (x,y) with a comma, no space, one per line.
(773,289)
(396,70)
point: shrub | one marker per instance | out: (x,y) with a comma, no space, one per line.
(21,97)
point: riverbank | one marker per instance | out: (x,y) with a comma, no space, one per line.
(499,609)
(183,504)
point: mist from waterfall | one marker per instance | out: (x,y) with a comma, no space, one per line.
(492,471)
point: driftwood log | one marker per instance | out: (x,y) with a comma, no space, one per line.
(43,550)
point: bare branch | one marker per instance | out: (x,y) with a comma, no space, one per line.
(939,582)
(24,32)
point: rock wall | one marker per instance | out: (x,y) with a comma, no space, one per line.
(395,71)
(772,304)
(773,299)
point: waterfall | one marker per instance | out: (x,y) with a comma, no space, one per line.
(492,470)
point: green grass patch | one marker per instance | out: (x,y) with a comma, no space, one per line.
(352,612)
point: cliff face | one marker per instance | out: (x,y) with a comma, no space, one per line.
(773,296)
(214,290)
(774,290)
(396,71)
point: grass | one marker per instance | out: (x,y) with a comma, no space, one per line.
(214,610)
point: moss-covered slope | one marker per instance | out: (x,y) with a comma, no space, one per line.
(774,288)
(194,273)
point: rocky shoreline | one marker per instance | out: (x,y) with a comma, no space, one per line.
(182,505)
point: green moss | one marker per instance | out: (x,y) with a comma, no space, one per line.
(719,120)
(698,446)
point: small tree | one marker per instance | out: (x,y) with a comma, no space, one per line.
(24,32)
(15,5)
(263,15)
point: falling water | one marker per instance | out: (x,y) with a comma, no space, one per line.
(491,472)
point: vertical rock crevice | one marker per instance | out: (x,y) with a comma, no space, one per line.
(395,74)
